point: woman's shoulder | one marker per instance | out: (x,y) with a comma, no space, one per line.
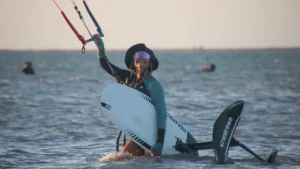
(150,80)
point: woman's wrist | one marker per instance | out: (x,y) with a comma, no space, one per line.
(161,135)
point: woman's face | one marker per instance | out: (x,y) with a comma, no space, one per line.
(141,61)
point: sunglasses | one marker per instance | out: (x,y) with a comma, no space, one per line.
(141,54)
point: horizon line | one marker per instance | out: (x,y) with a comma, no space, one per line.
(168,49)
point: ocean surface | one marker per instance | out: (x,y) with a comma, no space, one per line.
(53,119)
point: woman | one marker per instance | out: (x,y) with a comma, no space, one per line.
(141,62)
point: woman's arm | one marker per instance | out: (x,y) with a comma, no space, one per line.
(104,62)
(156,92)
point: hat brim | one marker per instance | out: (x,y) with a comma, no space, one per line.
(140,47)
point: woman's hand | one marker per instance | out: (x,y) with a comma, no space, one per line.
(100,44)
(156,149)
(96,36)
(93,38)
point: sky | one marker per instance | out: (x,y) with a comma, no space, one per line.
(161,24)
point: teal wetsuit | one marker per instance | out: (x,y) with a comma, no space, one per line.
(150,87)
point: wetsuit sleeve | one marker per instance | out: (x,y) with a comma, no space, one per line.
(106,65)
(156,92)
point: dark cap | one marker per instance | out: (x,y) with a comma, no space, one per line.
(140,47)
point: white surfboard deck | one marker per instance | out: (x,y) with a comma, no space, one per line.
(134,114)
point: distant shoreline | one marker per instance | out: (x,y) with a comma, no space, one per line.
(161,49)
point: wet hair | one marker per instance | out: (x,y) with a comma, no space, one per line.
(133,72)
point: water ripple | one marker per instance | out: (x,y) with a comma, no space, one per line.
(54,119)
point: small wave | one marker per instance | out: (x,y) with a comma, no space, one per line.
(6,163)
(292,79)
(4,83)
(182,107)
(85,79)
(117,156)
(287,160)
(19,151)
(218,91)
(47,81)
(7,103)
(75,78)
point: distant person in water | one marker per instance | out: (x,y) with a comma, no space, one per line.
(28,70)
(207,67)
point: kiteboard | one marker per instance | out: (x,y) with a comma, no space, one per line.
(134,113)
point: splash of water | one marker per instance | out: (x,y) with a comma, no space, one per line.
(116,156)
